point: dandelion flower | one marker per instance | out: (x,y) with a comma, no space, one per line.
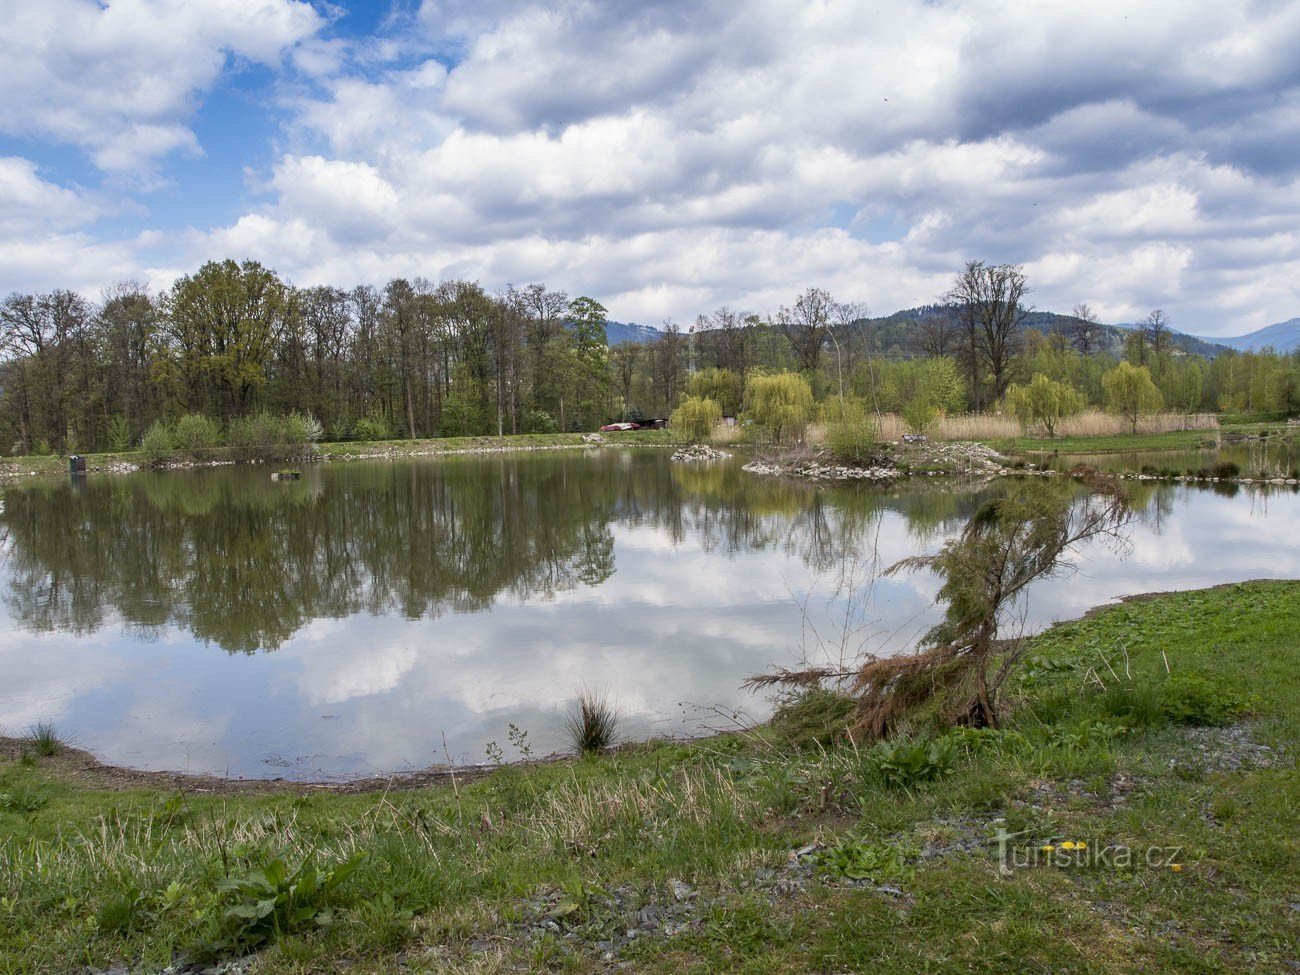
(1067,845)
(1176,867)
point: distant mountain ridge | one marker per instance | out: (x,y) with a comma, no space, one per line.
(616,333)
(1281,337)
(895,332)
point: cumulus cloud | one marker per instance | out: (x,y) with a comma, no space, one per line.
(669,157)
(120,80)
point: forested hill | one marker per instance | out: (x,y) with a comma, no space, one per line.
(617,333)
(899,332)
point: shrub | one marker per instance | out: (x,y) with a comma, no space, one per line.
(593,726)
(159,442)
(303,428)
(812,717)
(372,427)
(852,434)
(695,418)
(119,433)
(194,433)
(264,436)
(539,421)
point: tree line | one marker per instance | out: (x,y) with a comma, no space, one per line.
(418,359)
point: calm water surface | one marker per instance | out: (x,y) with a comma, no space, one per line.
(349,622)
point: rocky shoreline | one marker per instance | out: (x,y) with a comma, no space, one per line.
(698,452)
(898,460)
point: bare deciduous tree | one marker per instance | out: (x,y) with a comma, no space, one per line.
(806,325)
(990,306)
(937,335)
(1087,331)
(1156,330)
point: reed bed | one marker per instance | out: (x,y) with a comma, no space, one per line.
(1094,423)
(727,435)
(1090,423)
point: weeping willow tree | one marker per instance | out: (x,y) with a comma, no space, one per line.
(961,665)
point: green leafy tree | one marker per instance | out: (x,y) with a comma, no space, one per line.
(1131,392)
(1043,401)
(779,405)
(720,385)
(591,373)
(221,324)
(695,418)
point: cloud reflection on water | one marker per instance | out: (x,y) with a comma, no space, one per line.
(380,607)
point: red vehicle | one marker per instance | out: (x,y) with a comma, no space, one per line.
(619,427)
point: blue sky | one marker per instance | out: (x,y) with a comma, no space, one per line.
(667,157)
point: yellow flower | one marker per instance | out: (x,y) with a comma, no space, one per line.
(1176,867)
(1081,845)
(1067,845)
(1047,848)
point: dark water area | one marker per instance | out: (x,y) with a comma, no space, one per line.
(352,621)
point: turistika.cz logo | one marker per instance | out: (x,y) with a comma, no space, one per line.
(1014,852)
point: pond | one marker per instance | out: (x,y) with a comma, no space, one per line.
(383,616)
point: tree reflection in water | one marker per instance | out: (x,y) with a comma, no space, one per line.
(245,563)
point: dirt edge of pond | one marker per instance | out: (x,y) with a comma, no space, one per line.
(78,766)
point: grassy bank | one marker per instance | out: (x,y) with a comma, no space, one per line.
(1114,443)
(746,852)
(44,464)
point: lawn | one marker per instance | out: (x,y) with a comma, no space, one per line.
(1120,443)
(1166,724)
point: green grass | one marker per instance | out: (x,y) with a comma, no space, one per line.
(546,867)
(1119,443)
(1241,424)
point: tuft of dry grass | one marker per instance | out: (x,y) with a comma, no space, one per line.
(815,434)
(586,816)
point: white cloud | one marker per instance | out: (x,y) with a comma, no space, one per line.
(120,80)
(670,157)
